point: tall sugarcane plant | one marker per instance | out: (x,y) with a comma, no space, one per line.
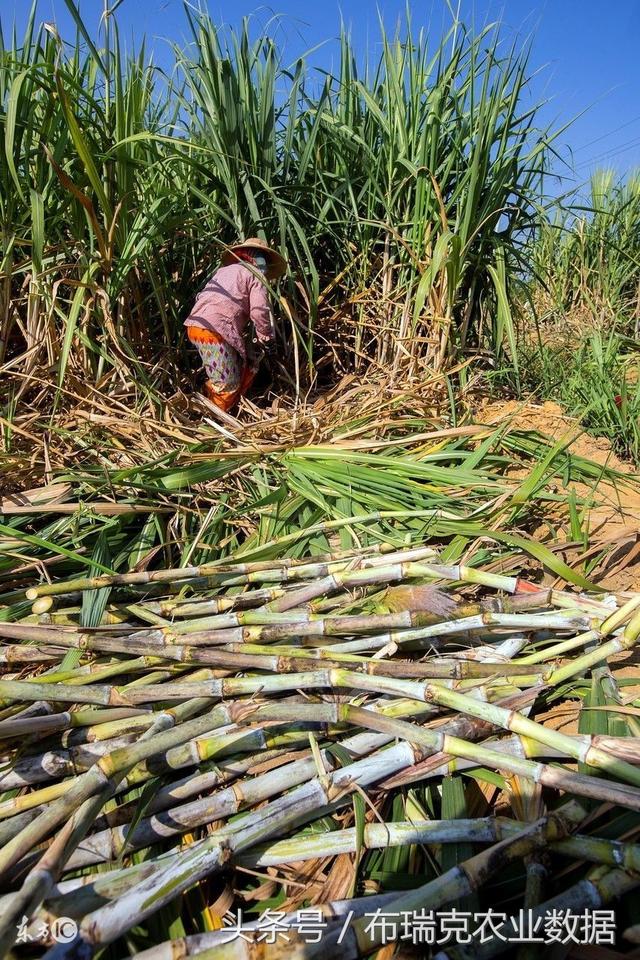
(413,179)
(587,258)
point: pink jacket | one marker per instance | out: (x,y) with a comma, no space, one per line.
(233,297)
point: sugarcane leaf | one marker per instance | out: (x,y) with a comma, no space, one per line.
(54,548)
(10,130)
(72,320)
(484,775)
(454,807)
(84,152)
(145,799)
(359,811)
(611,708)
(542,553)
(94,602)
(504,318)
(37,226)
(86,36)
(528,489)
(340,753)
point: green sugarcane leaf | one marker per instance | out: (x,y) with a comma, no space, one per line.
(529,488)
(77,19)
(591,721)
(484,775)
(51,547)
(454,807)
(71,322)
(546,557)
(84,152)
(505,327)
(94,602)
(10,130)
(145,798)
(359,811)
(37,226)
(611,708)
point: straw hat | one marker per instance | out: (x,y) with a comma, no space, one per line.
(276,265)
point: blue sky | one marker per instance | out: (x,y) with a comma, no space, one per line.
(586,52)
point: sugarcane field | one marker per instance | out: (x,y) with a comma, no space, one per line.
(319,490)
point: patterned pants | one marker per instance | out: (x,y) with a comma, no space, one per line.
(229,376)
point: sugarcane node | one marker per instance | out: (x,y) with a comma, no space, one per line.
(119,699)
(286,665)
(335,791)
(85,944)
(559,825)
(241,712)
(236,788)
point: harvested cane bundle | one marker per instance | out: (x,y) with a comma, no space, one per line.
(186,744)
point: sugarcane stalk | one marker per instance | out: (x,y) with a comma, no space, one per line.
(464,879)
(200,749)
(154,646)
(65,763)
(222,805)
(610,625)
(58,763)
(181,815)
(256,570)
(218,941)
(404,626)
(217,605)
(201,859)
(441,668)
(378,836)
(104,924)
(96,779)
(266,653)
(499,716)
(583,895)
(442,765)
(214,746)
(17,653)
(40,880)
(192,753)
(560,649)
(440,742)
(588,894)
(360,940)
(272,572)
(292,621)
(602,651)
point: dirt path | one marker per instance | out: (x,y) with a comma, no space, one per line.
(616,517)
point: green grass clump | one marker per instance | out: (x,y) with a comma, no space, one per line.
(603,389)
(595,380)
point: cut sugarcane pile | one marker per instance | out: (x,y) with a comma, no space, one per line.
(217,712)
